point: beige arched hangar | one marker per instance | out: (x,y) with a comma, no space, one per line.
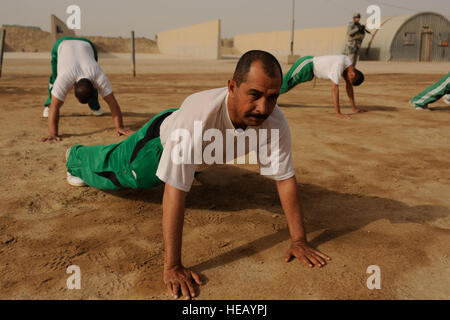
(416,37)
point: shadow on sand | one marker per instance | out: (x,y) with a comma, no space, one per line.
(367,108)
(230,188)
(135,125)
(440,108)
(125,114)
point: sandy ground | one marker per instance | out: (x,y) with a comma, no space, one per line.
(375,191)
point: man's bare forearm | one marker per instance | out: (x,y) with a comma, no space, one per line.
(335,95)
(117,118)
(300,248)
(53,121)
(351,95)
(173,219)
(115,110)
(176,277)
(290,202)
(53,117)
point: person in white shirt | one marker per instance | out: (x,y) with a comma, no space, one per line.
(74,65)
(173,145)
(326,67)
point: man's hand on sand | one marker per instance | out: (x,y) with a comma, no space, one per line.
(179,278)
(124,132)
(50,138)
(306,254)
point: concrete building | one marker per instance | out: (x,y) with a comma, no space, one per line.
(315,41)
(200,41)
(59,28)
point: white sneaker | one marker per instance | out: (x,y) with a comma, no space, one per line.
(75,181)
(98,112)
(72,180)
(418,107)
(45,113)
(447,98)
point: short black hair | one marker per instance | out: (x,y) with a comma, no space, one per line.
(270,65)
(84,90)
(358,79)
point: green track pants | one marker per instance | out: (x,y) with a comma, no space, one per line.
(93,104)
(301,71)
(433,92)
(131,163)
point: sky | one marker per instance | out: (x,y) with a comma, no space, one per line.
(148,17)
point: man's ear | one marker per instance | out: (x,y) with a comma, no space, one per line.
(347,77)
(232,87)
(351,70)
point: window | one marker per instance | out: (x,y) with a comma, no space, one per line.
(409,38)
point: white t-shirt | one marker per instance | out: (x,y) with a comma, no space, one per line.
(331,67)
(76,61)
(210,107)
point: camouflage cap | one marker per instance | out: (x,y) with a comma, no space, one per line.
(356,15)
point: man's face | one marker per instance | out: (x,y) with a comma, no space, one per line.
(356,19)
(350,74)
(254,100)
(79,100)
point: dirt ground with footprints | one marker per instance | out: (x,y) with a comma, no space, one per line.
(375,191)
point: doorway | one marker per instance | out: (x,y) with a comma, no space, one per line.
(426,41)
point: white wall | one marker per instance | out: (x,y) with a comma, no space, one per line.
(317,41)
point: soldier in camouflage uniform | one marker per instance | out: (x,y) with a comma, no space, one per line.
(355,36)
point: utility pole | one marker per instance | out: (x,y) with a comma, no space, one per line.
(291,59)
(293,27)
(133,55)
(2,48)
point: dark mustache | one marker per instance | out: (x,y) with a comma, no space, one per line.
(257,115)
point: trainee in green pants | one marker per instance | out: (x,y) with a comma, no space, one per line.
(131,163)
(93,104)
(301,71)
(433,92)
